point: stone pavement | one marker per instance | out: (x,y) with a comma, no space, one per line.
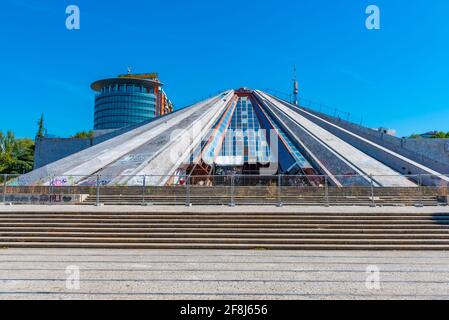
(214,274)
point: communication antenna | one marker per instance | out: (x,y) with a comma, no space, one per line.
(295,87)
(130,69)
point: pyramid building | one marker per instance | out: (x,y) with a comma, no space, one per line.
(243,132)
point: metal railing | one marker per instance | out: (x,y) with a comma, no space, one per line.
(232,190)
(319,107)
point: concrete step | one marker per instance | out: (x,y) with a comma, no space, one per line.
(299,203)
(226,198)
(200,230)
(218,235)
(314,199)
(221,217)
(188,212)
(248,246)
(232,240)
(305,198)
(265,230)
(243,220)
(316,225)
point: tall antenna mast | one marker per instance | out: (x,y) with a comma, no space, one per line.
(295,87)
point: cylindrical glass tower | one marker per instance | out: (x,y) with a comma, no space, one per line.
(122,102)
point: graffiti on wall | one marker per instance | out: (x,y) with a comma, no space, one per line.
(136,158)
(30,198)
(92,182)
(18,182)
(62,181)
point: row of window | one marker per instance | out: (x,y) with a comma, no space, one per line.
(124,115)
(112,125)
(127,88)
(125,98)
(138,108)
(122,118)
(115,123)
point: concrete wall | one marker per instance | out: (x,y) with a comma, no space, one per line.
(49,150)
(433,153)
(436,149)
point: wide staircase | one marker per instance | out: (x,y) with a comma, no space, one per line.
(267,230)
(308,196)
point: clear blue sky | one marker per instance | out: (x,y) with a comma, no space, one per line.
(396,77)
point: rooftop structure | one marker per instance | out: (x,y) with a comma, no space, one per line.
(128,100)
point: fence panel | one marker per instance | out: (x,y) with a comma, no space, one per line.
(3,179)
(17,190)
(213,190)
(168,190)
(302,190)
(412,190)
(356,190)
(435,185)
(401,190)
(256,189)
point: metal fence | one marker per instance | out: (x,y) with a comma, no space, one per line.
(232,190)
(320,107)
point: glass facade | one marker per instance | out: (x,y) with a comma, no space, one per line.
(215,145)
(242,137)
(121,105)
(248,139)
(239,137)
(292,150)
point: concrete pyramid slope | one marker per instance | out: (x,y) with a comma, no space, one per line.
(378,160)
(360,162)
(236,130)
(133,150)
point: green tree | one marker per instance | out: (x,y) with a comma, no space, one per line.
(84,135)
(439,135)
(16,155)
(41,127)
(415,136)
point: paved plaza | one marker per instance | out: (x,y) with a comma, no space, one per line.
(204,274)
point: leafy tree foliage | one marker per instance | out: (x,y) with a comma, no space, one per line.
(84,135)
(16,155)
(441,135)
(438,135)
(41,131)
